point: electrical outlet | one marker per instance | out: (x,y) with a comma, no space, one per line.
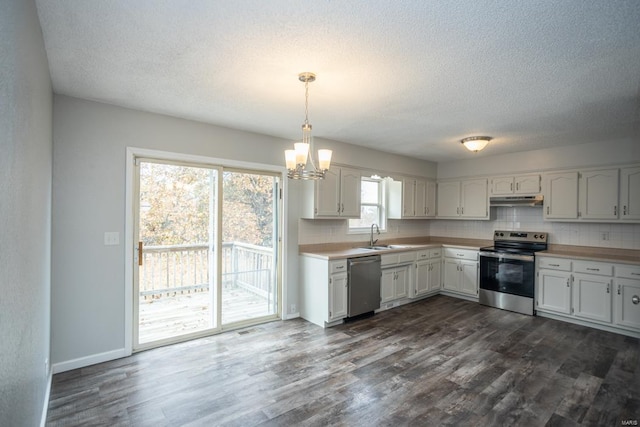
(293,308)
(604,235)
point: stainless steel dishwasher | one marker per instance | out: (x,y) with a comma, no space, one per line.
(364,285)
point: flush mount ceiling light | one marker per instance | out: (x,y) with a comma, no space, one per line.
(296,159)
(476,143)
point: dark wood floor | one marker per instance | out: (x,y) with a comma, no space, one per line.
(440,361)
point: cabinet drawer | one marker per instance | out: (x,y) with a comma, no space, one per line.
(554,263)
(435,253)
(592,267)
(338,266)
(628,271)
(406,257)
(421,255)
(461,254)
(389,259)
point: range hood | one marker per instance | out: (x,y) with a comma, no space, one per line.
(515,201)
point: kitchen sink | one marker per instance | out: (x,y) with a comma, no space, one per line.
(387,247)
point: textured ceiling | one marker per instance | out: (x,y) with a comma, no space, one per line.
(408,77)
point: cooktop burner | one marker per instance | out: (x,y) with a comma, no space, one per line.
(518,242)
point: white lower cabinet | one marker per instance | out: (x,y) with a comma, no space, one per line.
(427,273)
(592,297)
(324,290)
(338,296)
(394,283)
(460,271)
(627,297)
(599,293)
(554,291)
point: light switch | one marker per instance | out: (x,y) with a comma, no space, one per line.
(111,238)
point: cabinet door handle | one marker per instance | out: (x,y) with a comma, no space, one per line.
(517,186)
(608,288)
(624,210)
(635,299)
(458,211)
(615,210)
(568,282)
(547,210)
(554,265)
(343,208)
(338,207)
(462,210)
(618,289)
(593,269)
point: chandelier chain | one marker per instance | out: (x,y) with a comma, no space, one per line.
(306,102)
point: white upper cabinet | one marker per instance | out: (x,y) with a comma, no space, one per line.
(350,181)
(466,199)
(335,196)
(522,184)
(593,195)
(599,194)
(411,198)
(449,199)
(630,193)
(430,199)
(561,195)
(474,199)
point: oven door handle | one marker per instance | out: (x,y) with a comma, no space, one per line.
(507,256)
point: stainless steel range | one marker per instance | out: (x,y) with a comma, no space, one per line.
(507,270)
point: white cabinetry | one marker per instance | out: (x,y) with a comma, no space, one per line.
(561,195)
(593,293)
(522,184)
(411,198)
(627,297)
(338,293)
(466,199)
(396,275)
(630,193)
(599,194)
(427,278)
(460,271)
(323,290)
(335,196)
(595,195)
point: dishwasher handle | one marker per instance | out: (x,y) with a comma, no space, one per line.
(364,260)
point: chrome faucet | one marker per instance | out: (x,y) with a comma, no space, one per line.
(371,241)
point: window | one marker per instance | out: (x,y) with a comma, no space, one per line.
(372,210)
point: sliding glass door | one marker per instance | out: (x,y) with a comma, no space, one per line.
(207,250)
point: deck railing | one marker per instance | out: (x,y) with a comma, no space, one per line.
(168,270)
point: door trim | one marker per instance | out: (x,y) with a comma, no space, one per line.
(130,252)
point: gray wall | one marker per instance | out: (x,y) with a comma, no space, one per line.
(25,214)
(575,156)
(90,140)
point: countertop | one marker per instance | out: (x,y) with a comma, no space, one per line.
(622,256)
(336,251)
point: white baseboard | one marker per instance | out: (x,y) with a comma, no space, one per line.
(47,394)
(81,362)
(290,316)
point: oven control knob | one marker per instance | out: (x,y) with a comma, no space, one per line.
(535,236)
(501,234)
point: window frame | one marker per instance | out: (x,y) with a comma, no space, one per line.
(381,205)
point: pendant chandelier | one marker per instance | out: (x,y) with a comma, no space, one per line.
(300,162)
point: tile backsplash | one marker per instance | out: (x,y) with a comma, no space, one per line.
(625,236)
(608,235)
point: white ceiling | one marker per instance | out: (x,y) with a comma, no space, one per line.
(408,77)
